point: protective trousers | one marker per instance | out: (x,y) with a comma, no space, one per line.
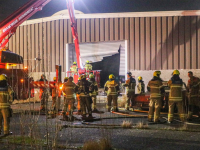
(69,105)
(85,103)
(155,103)
(44,100)
(5,117)
(56,103)
(111,98)
(130,98)
(180,110)
(78,102)
(192,102)
(94,104)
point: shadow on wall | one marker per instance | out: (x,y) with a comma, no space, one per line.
(109,65)
(180,36)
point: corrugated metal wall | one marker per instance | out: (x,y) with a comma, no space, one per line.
(153,42)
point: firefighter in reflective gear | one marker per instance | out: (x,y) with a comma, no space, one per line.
(54,95)
(112,89)
(69,88)
(84,90)
(140,86)
(156,89)
(130,90)
(192,90)
(78,99)
(66,79)
(94,88)
(43,94)
(6,98)
(74,68)
(88,66)
(175,96)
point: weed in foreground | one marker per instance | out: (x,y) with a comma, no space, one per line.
(126,124)
(102,144)
(142,125)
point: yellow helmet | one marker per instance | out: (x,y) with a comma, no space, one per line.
(83,76)
(91,76)
(3,77)
(66,78)
(54,78)
(79,78)
(156,73)
(111,76)
(74,63)
(176,72)
(87,61)
(139,78)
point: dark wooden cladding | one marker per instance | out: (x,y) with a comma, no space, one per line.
(153,42)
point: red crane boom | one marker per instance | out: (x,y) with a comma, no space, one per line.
(9,25)
(70,6)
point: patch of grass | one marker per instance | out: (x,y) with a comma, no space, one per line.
(126,124)
(142,125)
(102,144)
(24,140)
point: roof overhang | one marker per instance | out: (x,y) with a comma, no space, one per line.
(118,15)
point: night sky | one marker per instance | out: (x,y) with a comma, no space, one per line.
(102,6)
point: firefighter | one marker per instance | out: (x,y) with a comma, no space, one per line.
(43,94)
(74,68)
(130,90)
(6,98)
(192,90)
(83,90)
(88,66)
(175,96)
(69,88)
(140,86)
(54,95)
(112,89)
(156,89)
(78,99)
(94,88)
(66,79)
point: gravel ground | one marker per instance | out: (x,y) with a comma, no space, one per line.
(75,134)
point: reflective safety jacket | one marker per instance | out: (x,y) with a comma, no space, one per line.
(93,88)
(130,85)
(175,93)
(155,87)
(69,89)
(6,97)
(88,67)
(193,86)
(111,87)
(141,87)
(84,88)
(74,68)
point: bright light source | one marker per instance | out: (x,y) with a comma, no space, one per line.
(7,66)
(25,68)
(22,80)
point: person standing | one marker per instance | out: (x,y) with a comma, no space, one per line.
(193,91)
(130,90)
(94,88)
(156,89)
(69,88)
(6,98)
(43,94)
(175,96)
(111,87)
(140,86)
(83,88)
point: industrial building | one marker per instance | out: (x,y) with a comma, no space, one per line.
(162,40)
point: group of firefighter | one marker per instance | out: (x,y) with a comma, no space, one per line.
(87,90)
